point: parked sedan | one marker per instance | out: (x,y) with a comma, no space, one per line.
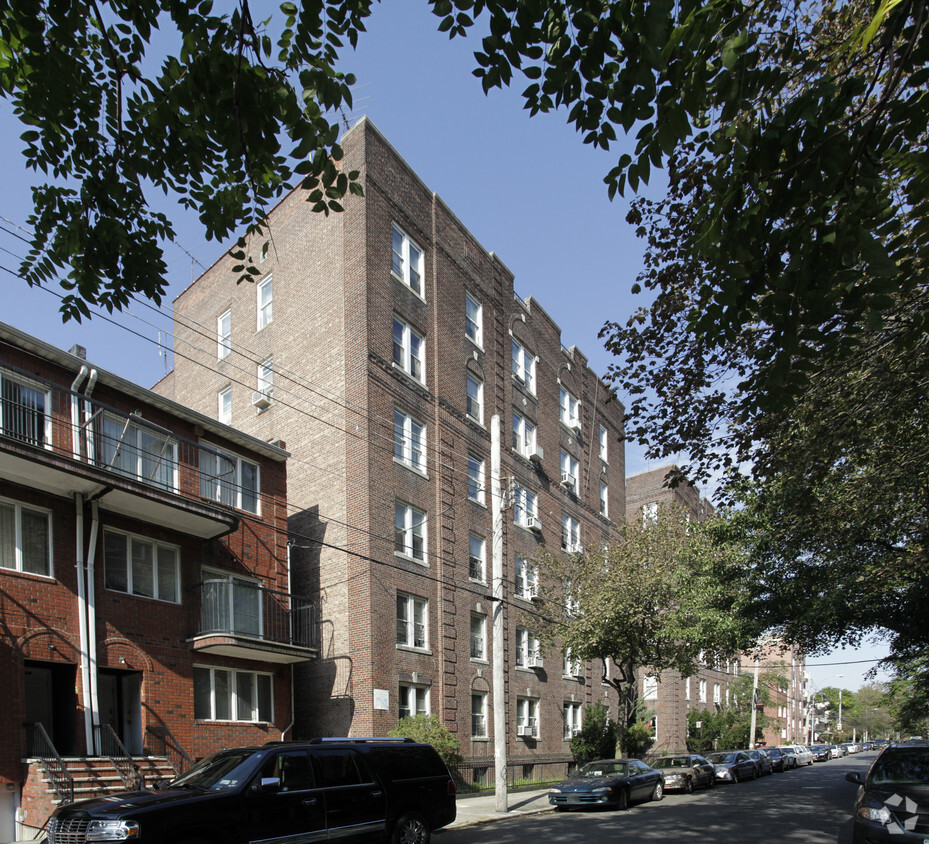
(821,752)
(790,758)
(762,762)
(686,772)
(614,783)
(778,759)
(803,755)
(733,766)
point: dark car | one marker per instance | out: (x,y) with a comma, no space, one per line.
(349,789)
(733,765)
(686,772)
(613,783)
(778,759)
(762,762)
(893,800)
(821,752)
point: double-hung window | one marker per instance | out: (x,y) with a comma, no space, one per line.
(604,500)
(409,350)
(223,334)
(407,261)
(523,435)
(570,533)
(527,717)
(479,715)
(525,507)
(265,301)
(717,697)
(572,665)
(266,377)
(413,700)
(475,391)
(702,688)
(409,441)
(231,604)
(412,621)
(570,409)
(604,444)
(24,410)
(140,566)
(474,319)
(221,694)
(478,636)
(477,560)
(25,538)
(224,405)
(572,719)
(650,687)
(476,478)
(527,578)
(523,366)
(229,479)
(528,654)
(569,471)
(409,532)
(137,451)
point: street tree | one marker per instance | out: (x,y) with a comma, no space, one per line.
(666,590)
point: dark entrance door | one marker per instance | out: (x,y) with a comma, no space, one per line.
(51,700)
(119,698)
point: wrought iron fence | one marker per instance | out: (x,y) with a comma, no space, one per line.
(42,748)
(476,775)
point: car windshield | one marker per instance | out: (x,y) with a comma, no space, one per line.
(602,769)
(673,762)
(720,758)
(910,766)
(221,772)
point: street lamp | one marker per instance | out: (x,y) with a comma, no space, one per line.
(838,725)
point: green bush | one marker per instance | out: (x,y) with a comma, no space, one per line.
(597,738)
(637,739)
(428,729)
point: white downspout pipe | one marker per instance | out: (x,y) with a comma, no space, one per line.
(88,415)
(92,616)
(290,598)
(82,623)
(76,415)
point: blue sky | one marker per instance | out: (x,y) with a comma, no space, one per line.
(528,189)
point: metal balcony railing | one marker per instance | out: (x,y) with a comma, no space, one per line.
(240,608)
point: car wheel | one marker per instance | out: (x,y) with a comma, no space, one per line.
(688,785)
(754,773)
(735,777)
(410,829)
(622,802)
(658,793)
(712,782)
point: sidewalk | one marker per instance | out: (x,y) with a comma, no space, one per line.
(483,807)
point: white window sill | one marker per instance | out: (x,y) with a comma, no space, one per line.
(480,660)
(412,468)
(400,370)
(413,650)
(406,284)
(478,502)
(480,738)
(401,556)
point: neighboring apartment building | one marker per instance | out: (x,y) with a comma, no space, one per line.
(378,343)
(144,590)
(668,698)
(782,670)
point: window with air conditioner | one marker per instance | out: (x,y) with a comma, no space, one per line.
(572,719)
(527,717)
(525,507)
(572,665)
(524,437)
(569,471)
(528,654)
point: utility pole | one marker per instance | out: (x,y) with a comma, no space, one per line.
(499,645)
(751,737)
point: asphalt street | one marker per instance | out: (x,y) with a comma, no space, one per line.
(811,805)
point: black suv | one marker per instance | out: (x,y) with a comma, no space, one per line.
(325,789)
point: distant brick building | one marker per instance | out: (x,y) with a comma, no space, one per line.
(782,672)
(378,343)
(144,588)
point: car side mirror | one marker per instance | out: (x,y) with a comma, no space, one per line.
(269,784)
(855,777)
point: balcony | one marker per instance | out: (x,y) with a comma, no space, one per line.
(58,441)
(243,620)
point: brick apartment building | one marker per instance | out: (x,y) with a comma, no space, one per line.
(782,670)
(144,593)
(669,698)
(378,343)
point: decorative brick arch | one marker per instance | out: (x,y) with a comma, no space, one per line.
(119,648)
(47,645)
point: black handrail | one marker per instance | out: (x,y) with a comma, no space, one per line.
(42,748)
(172,751)
(115,751)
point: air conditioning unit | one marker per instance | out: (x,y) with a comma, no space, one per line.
(575,731)
(536,598)
(261,399)
(534,662)
(575,428)
(536,454)
(567,481)
(523,730)
(533,523)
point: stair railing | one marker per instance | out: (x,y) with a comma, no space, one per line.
(114,750)
(170,749)
(56,771)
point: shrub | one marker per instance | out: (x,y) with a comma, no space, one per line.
(597,738)
(428,729)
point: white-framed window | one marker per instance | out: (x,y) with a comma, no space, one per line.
(409,531)
(230,604)
(412,621)
(528,654)
(604,444)
(224,405)
(475,390)
(572,719)
(604,500)
(477,557)
(527,578)
(687,688)
(407,261)
(140,566)
(703,691)
(24,410)
(717,693)
(650,687)
(265,301)
(478,636)
(572,604)
(25,538)
(266,377)
(570,533)
(409,441)
(223,334)
(569,471)
(572,665)
(650,512)
(474,320)
(137,451)
(409,350)
(523,435)
(221,694)
(476,478)
(525,506)
(479,714)
(412,700)
(523,366)
(230,479)
(527,717)
(570,409)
